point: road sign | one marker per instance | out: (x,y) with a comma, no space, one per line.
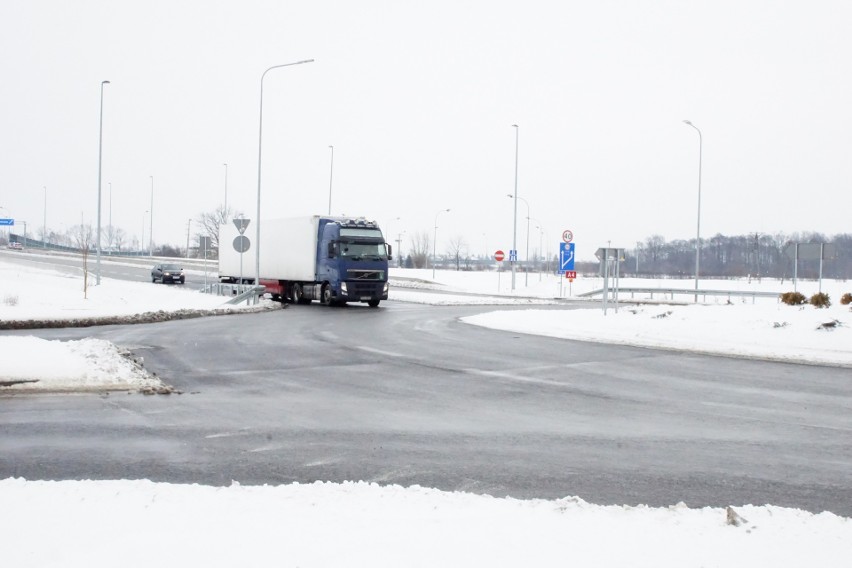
(809,251)
(513,256)
(499,256)
(566,257)
(7,221)
(567,235)
(241,243)
(570,274)
(241,223)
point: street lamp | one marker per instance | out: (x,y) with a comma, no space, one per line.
(259,155)
(698,230)
(526,274)
(100,155)
(142,238)
(151,220)
(541,255)
(435,240)
(330,178)
(515,225)
(44,226)
(225,207)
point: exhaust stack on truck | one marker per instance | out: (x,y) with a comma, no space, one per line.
(331,259)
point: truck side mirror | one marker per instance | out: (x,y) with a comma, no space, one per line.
(330,250)
(390,251)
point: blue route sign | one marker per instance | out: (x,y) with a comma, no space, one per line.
(513,256)
(566,257)
(7,221)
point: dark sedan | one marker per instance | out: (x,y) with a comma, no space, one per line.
(168,273)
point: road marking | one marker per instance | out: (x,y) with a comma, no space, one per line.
(518,378)
(379,351)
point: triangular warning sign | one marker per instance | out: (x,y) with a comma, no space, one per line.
(241,223)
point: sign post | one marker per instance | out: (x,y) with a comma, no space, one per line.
(809,251)
(204,244)
(242,244)
(499,256)
(610,259)
(566,262)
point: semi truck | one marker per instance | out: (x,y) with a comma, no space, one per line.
(334,260)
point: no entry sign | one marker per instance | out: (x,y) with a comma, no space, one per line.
(499,256)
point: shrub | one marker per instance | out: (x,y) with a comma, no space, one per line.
(10,300)
(846,299)
(820,300)
(793,298)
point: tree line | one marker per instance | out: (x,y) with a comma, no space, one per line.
(753,255)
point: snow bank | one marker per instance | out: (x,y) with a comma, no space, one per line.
(140,523)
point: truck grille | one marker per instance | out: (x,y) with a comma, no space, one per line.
(366,275)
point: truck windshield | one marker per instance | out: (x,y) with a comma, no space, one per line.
(363,251)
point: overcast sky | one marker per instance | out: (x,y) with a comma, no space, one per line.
(418,100)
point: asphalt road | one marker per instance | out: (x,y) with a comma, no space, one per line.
(407,394)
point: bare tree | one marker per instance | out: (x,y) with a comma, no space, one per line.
(109,234)
(82,237)
(211,222)
(456,249)
(119,238)
(419,249)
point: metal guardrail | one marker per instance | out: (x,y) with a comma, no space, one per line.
(248,293)
(670,292)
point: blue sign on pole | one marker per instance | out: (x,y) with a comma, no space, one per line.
(7,221)
(513,256)
(566,257)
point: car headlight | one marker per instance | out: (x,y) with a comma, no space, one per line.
(386,288)
(343,289)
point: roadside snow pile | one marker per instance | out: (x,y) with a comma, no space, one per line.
(767,331)
(33,298)
(87,364)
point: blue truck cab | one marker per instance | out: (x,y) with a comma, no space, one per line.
(352,262)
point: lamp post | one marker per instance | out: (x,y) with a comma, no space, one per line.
(44,225)
(540,245)
(515,225)
(526,273)
(330,178)
(225,206)
(399,249)
(100,156)
(698,230)
(111,231)
(151,220)
(435,240)
(142,238)
(259,161)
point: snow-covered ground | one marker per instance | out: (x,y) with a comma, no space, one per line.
(140,523)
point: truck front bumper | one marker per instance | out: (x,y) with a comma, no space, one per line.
(363,291)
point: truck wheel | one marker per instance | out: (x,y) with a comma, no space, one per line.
(325,295)
(298,295)
(373,303)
